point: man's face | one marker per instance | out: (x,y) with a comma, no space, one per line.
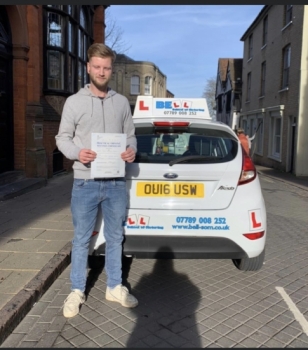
(100,71)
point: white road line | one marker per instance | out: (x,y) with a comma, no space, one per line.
(264,178)
(297,314)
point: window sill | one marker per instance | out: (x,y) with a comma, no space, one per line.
(263,47)
(277,159)
(261,97)
(249,59)
(247,101)
(286,26)
(260,154)
(284,89)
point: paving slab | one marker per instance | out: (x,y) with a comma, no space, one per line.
(13,279)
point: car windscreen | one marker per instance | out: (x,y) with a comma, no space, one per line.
(189,144)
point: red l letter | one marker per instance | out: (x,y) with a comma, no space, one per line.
(130,221)
(142,107)
(255,224)
(142,222)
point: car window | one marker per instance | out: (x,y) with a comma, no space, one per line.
(162,145)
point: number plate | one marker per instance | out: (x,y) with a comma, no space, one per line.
(170,189)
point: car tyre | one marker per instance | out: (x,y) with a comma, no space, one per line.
(250,264)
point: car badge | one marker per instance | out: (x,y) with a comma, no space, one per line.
(226,188)
(170,176)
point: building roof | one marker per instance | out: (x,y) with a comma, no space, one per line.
(235,67)
(256,20)
(222,69)
(122,57)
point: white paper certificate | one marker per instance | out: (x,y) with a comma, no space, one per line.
(108,162)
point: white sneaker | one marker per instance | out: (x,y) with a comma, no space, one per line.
(121,295)
(73,302)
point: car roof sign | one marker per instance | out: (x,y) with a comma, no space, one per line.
(149,106)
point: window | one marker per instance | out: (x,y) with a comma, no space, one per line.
(248,86)
(263,74)
(135,85)
(228,103)
(286,66)
(259,136)
(288,14)
(148,85)
(244,125)
(175,141)
(250,41)
(252,126)
(219,103)
(265,25)
(275,142)
(67,38)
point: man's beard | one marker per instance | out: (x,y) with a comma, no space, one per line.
(99,86)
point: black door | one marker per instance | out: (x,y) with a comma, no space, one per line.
(6,95)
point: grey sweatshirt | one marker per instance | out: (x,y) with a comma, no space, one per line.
(84,114)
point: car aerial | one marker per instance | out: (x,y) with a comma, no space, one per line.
(193,192)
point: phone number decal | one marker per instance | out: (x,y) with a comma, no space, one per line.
(201,223)
(175,112)
(201,220)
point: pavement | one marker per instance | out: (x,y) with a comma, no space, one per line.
(35,244)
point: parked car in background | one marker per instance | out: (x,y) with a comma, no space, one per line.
(192,190)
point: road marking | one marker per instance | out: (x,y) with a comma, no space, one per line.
(267,179)
(297,314)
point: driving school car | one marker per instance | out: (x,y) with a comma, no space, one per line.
(193,192)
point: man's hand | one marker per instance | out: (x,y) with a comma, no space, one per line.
(86,156)
(128,155)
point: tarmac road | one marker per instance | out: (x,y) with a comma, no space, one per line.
(184,303)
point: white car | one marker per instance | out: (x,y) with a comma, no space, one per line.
(192,191)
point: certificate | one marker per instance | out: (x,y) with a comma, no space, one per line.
(108,162)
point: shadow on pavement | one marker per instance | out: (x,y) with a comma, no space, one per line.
(97,264)
(167,306)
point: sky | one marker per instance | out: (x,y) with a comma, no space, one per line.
(184,41)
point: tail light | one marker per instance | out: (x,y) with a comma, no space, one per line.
(255,235)
(175,123)
(249,171)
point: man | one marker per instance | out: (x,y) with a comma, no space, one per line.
(243,139)
(96,109)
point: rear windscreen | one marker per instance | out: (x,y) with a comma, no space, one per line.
(184,145)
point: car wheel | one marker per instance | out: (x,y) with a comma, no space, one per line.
(250,264)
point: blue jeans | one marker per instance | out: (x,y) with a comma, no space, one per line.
(89,196)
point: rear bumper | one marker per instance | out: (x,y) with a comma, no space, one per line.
(179,247)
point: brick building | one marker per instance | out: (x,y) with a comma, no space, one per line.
(42,61)
(275,92)
(132,78)
(169,94)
